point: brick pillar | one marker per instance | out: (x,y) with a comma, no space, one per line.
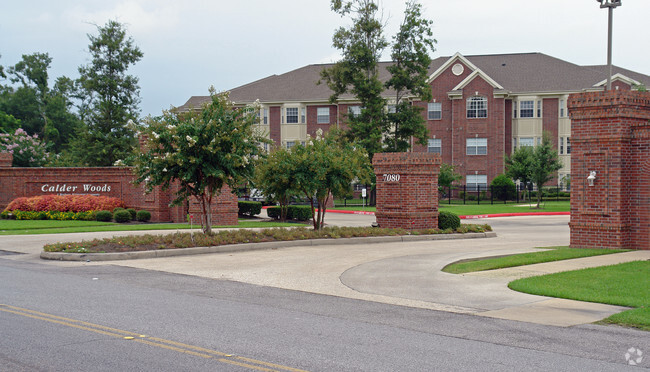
(610,134)
(407,189)
(6,159)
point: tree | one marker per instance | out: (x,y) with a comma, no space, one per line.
(27,151)
(409,74)
(535,164)
(545,164)
(113,97)
(361,45)
(502,187)
(324,166)
(202,151)
(274,178)
(447,176)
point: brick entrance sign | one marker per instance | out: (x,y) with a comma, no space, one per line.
(105,181)
(407,189)
(610,137)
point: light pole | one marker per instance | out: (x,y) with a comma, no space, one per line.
(610,5)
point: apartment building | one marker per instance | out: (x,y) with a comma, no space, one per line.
(483,106)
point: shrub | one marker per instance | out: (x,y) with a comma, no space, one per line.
(143,216)
(64,203)
(273,212)
(448,220)
(133,213)
(249,208)
(122,215)
(503,188)
(299,212)
(118,209)
(104,216)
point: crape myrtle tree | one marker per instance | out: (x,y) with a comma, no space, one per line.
(274,178)
(111,97)
(202,151)
(325,166)
(409,75)
(534,164)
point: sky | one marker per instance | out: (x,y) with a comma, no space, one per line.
(191,45)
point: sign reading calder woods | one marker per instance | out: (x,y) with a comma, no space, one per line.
(78,189)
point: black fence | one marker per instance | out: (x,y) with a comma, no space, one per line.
(464,194)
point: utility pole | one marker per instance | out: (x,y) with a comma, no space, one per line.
(610,5)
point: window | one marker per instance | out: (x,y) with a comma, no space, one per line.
(476,146)
(302,115)
(568,145)
(539,109)
(562,108)
(526,141)
(291,115)
(434,145)
(514,109)
(354,110)
(476,182)
(434,111)
(477,107)
(526,109)
(265,119)
(561,145)
(323,115)
(291,144)
(391,109)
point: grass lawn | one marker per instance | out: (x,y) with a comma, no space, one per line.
(553,254)
(487,208)
(626,284)
(23,227)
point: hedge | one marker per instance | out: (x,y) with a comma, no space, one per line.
(448,220)
(122,216)
(64,203)
(249,208)
(143,216)
(104,216)
(294,212)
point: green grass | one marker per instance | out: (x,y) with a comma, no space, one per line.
(626,284)
(486,208)
(553,254)
(24,227)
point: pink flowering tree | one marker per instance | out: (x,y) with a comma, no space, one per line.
(28,151)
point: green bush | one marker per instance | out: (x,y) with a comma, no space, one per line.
(448,220)
(249,208)
(118,209)
(503,188)
(299,212)
(273,212)
(143,216)
(104,216)
(122,216)
(133,213)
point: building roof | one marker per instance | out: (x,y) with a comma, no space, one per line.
(518,73)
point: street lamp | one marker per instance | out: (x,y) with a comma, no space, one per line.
(610,5)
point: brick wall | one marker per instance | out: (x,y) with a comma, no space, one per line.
(407,196)
(107,181)
(610,134)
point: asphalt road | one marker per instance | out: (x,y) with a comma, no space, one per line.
(75,319)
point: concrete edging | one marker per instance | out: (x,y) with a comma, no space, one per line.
(115,256)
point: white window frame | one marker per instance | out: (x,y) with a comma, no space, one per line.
(434,111)
(295,113)
(289,144)
(527,109)
(477,107)
(322,115)
(539,108)
(434,145)
(354,111)
(303,115)
(265,116)
(472,181)
(526,141)
(391,109)
(476,146)
(568,145)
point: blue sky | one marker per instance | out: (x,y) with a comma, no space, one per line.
(190,45)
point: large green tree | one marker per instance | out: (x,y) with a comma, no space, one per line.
(274,178)
(357,72)
(201,150)
(113,97)
(409,75)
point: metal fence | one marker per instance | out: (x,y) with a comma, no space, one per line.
(476,194)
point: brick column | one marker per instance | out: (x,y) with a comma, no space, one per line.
(6,159)
(407,189)
(610,134)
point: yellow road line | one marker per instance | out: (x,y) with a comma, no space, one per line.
(152,341)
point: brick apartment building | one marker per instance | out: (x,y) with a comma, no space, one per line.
(483,106)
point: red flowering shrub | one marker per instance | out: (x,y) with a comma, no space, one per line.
(65,203)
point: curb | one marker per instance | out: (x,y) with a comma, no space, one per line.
(470,216)
(60,256)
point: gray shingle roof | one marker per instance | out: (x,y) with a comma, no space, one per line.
(517,73)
